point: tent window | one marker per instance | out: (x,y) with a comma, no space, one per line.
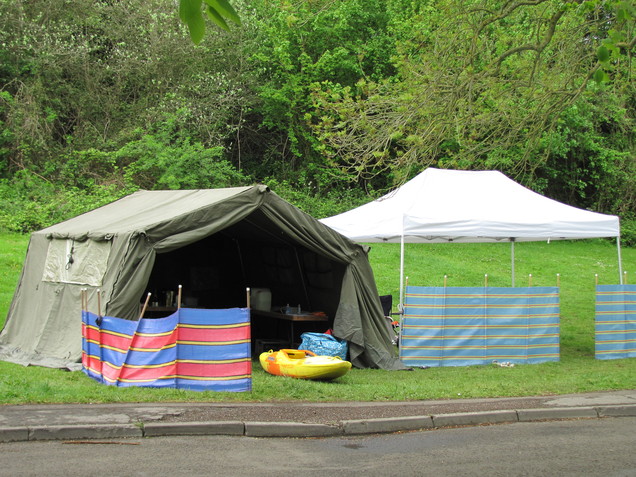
(81,263)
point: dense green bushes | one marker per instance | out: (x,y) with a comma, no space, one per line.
(329,103)
(30,202)
(628,232)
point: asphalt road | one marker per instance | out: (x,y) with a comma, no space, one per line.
(590,447)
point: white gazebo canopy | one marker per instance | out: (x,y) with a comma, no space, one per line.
(469,206)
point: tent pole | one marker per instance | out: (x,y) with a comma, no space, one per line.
(240,256)
(620,260)
(302,281)
(512,256)
(401,306)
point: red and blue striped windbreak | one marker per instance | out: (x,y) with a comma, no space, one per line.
(460,326)
(615,327)
(196,349)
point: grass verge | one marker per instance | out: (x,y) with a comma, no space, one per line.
(426,264)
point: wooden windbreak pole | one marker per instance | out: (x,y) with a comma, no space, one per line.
(249,297)
(486,280)
(529,279)
(445,280)
(558,280)
(99,303)
(625,277)
(596,279)
(83,299)
(143,310)
(179,298)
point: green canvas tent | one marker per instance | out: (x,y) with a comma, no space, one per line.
(215,243)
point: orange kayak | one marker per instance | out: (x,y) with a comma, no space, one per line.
(303,364)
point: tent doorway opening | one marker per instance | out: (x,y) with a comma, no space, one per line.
(216,271)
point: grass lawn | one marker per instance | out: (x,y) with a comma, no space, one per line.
(577,262)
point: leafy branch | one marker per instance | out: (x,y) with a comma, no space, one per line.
(218,11)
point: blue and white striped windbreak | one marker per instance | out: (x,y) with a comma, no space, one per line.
(460,326)
(615,336)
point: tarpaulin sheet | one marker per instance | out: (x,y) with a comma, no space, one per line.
(196,349)
(615,326)
(460,326)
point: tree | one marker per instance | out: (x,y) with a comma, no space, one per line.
(297,45)
(479,85)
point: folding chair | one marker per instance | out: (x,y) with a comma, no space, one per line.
(392,325)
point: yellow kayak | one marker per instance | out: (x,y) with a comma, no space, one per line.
(299,363)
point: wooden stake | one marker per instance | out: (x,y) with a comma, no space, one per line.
(99,303)
(530,279)
(486,280)
(596,278)
(179,298)
(249,297)
(445,280)
(625,277)
(143,310)
(558,280)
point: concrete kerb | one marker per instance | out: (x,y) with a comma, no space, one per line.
(73,432)
(290,429)
(386,425)
(14,434)
(529,415)
(296,429)
(217,428)
(475,418)
(617,411)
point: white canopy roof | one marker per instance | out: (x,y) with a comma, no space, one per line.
(468,206)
